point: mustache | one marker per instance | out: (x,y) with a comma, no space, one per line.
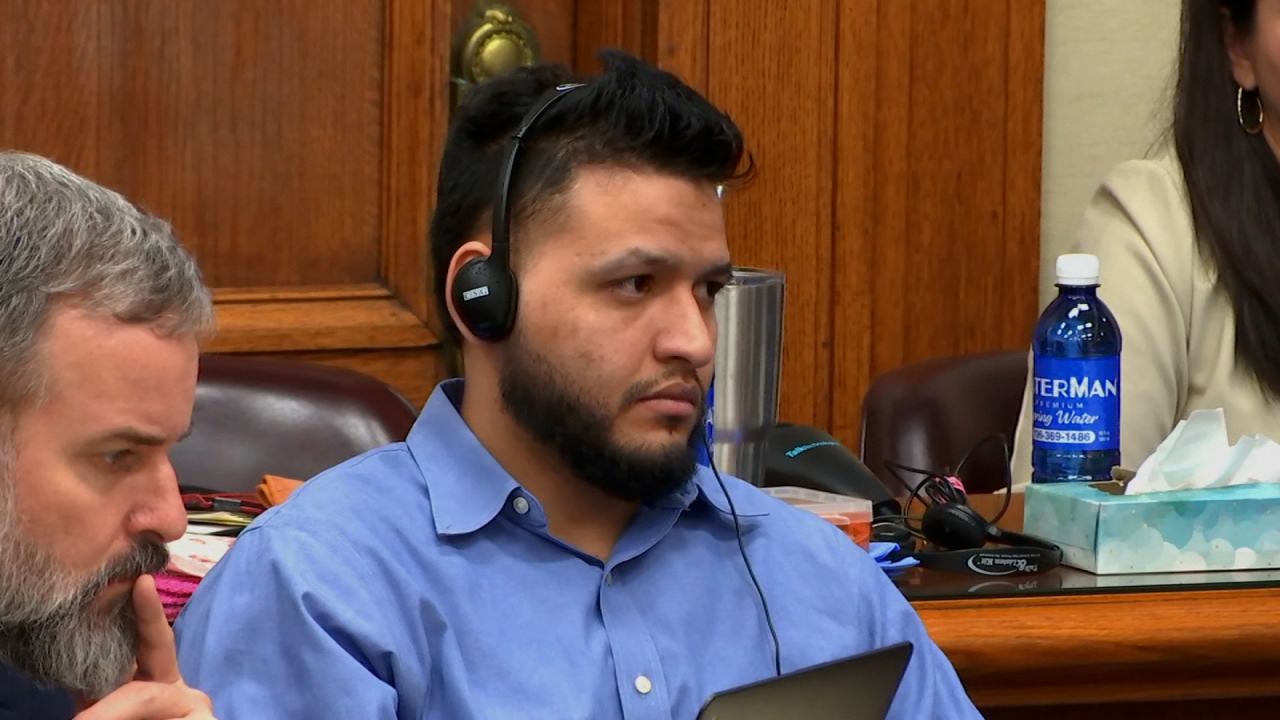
(146,557)
(646,387)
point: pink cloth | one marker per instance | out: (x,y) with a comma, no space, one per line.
(175,591)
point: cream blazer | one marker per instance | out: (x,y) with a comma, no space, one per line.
(1177,325)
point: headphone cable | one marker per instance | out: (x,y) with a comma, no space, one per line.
(1008,471)
(737,530)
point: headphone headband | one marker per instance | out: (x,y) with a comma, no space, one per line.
(994,562)
(485,292)
(500,251)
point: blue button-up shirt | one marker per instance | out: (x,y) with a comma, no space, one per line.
(419,580)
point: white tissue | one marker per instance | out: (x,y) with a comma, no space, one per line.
(1196,456)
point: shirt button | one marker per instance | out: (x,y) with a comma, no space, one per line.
(608,578)
(521,505)
(643,685)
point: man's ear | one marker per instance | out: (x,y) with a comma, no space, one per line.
(468,251)
(1239,46)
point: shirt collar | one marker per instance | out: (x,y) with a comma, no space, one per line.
(705,489)
(468,487)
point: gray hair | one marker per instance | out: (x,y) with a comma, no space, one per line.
(64,238)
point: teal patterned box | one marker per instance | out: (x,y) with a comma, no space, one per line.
(1105,532)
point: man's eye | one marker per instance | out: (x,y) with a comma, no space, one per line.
(120,458)
(636,284)
(707,291)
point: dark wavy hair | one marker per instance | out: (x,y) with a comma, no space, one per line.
(1233,181)
(632,115)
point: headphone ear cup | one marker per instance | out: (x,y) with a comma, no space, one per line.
(954,526)
(484,297)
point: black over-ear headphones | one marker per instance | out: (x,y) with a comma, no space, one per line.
(962,532)
(485,293)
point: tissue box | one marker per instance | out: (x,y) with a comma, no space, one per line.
(1103,531)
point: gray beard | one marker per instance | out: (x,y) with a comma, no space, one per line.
(83,650)
(50,630)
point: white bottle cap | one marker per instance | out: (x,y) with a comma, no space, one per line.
(1078,269)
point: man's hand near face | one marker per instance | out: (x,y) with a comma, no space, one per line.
(157,691)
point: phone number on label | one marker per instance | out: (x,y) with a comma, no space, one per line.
(1073,437)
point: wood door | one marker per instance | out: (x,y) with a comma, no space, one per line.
(290,142)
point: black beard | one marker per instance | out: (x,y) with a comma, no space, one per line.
(542,401)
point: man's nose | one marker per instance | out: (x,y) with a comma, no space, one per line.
(158,509)
(687,332)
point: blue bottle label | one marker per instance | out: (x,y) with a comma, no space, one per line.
(1076,403)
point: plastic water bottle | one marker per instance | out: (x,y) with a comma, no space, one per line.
(1076,384)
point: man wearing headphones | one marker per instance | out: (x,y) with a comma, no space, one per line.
(543,544)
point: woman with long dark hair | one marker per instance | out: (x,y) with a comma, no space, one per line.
(1189,241)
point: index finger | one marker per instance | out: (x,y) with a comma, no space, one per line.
(157,655)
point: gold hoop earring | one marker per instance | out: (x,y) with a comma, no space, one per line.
(1255,127)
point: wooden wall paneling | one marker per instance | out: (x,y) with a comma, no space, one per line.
(891,177)
(416,120)
(772,67)
(870,199)
(215,115)
(292,144)
(1024,114)
(953,289)
(56,42)
(554,21)
(628,25)
(388,328)
(681,40)
(341,320)
(942,259)
(351,323)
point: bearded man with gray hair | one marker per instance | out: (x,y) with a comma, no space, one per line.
(101,313)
